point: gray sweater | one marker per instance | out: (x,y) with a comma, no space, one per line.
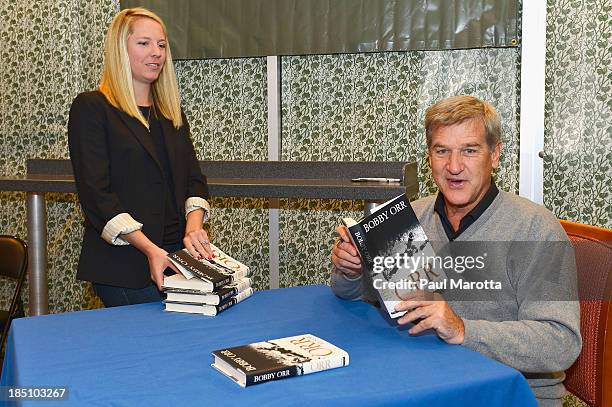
(533,324)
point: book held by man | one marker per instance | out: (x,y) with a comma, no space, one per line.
(277,359)
(395,252)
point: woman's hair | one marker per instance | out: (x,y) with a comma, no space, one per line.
(458,109)
(116,83)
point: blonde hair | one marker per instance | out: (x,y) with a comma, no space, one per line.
(116,83)
(458,109)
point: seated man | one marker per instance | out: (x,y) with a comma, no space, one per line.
(534,326)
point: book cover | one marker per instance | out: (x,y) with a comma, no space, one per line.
(214,273)
(395,252)
(209,310)
(177,289)
(277,359)
(226,261)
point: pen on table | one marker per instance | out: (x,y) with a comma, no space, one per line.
(369,179)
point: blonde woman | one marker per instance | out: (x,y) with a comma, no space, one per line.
(139,183)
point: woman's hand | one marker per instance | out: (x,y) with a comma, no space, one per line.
(196,239)
(156,256)
(197,243)
(158,262)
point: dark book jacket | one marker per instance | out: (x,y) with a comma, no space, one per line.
(394,251)
(277,359)
(215,273)
(179,289)
(206,309)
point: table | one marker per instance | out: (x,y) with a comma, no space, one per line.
(264,179)
(140,355)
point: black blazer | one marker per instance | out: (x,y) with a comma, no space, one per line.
(116,170)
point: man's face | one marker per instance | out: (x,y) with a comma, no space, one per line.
(461,164)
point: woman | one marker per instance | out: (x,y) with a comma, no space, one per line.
(139,183)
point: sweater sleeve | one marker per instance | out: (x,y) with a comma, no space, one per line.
(543,340)
(344,287)
(545,337)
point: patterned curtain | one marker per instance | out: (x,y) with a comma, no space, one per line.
(52,51)
(340,107)
(578,121)
(371,107)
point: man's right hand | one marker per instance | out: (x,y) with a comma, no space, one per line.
(344,255)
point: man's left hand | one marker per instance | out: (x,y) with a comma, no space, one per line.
(436,315)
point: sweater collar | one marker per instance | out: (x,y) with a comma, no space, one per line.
(470,217)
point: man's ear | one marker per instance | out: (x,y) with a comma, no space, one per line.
(495,155)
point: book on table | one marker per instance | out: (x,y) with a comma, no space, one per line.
(395,252)
(206,286)
(214,273)
(277,359)
(180,289)
(207,309)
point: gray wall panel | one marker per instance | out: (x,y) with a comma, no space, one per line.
(243,28)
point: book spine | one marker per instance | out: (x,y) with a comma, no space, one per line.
(211,298)
(276,374)
(229,294)
(222,307)
(202,270)
(317,365)
(215,284)
(234,300)
(358,236)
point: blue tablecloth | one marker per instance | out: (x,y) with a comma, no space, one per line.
(142,356)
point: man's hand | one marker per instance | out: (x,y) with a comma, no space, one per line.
(344,255)
(436,315)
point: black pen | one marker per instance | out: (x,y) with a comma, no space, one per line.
(366,179)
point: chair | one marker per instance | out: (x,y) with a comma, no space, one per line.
(590,377)
(13,265)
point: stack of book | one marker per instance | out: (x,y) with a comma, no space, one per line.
(204,286)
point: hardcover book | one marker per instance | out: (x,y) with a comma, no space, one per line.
(179,289)
(226,261)
(395,252)
(180,282)
(209,310)
(278,359)
(215,273)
